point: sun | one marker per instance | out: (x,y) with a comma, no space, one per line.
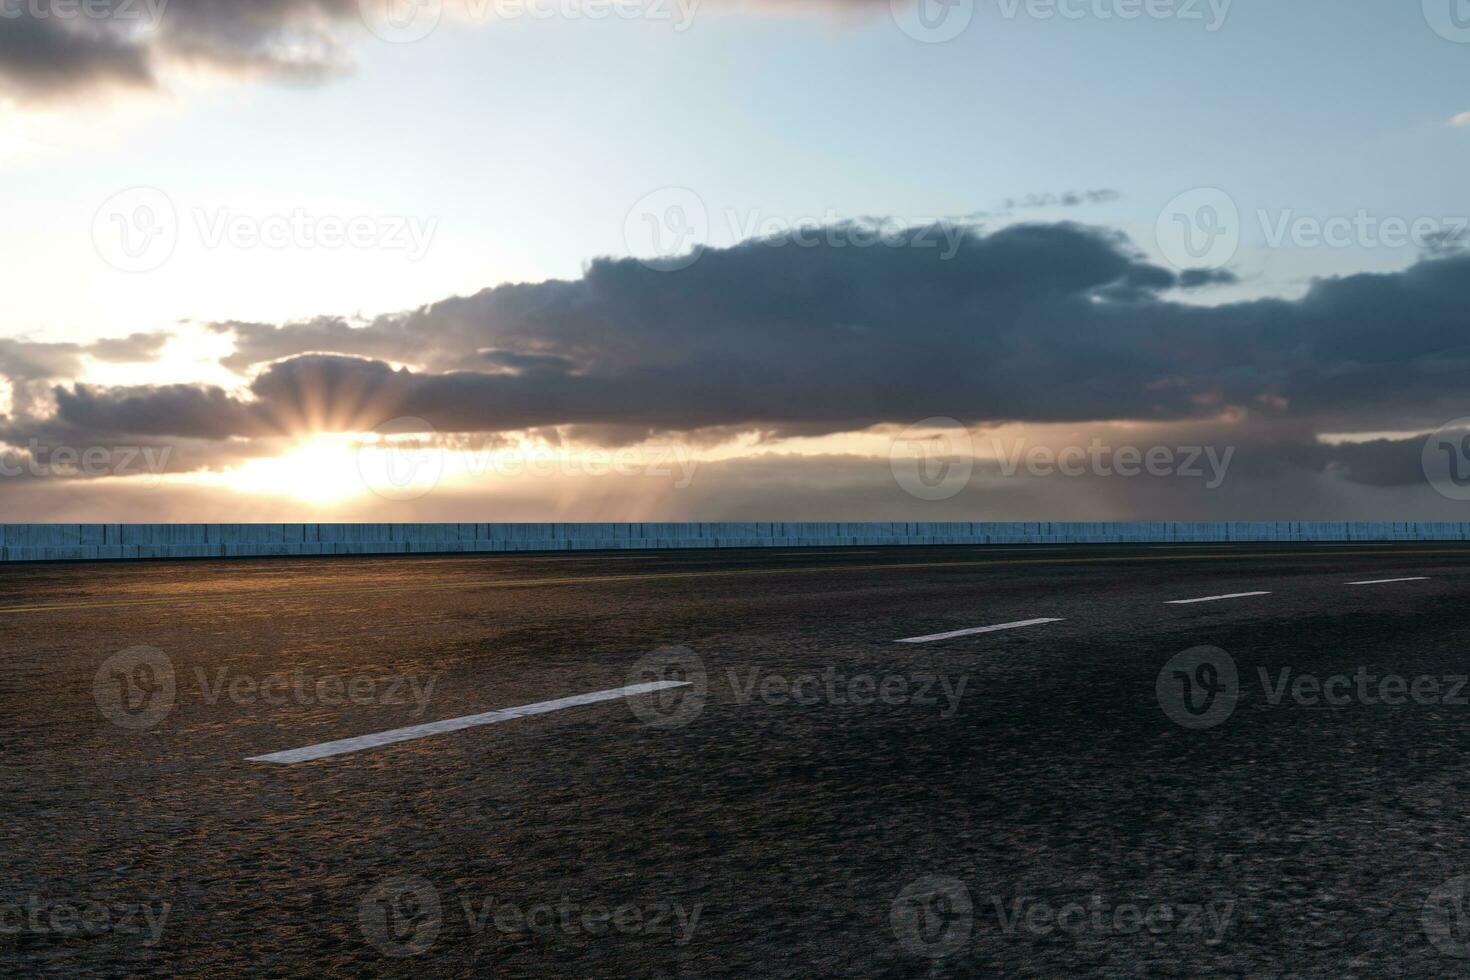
(321,470)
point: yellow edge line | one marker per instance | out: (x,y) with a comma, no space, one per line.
(665,576)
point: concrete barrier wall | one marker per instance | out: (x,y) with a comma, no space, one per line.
(92,542)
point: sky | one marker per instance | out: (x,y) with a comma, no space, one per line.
(734,259)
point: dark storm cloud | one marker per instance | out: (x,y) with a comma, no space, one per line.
(43,57)
(164,410)
(527,362)
(1377,462)
(57,49)
(1198,278)
(1032,323)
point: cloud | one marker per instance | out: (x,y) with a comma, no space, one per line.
(767,334)
(29,366)
(1461,121)
(1060,326)
(22,360)
(43,58)
(165,410)
(132,348)
(1044,323)
(25,360)
(57,50)
(1199,278)
(1066,199)
(832,487)
(61,49)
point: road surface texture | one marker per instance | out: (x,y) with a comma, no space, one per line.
(1275,780)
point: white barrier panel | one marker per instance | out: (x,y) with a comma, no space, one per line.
(99,542)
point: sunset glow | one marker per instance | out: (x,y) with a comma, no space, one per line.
(322,471)
(374,291)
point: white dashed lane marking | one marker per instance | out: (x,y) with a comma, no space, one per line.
(360,743)
(346,745)
(1213,598)
(978,629)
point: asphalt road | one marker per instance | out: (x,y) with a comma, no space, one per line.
(1091,794)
